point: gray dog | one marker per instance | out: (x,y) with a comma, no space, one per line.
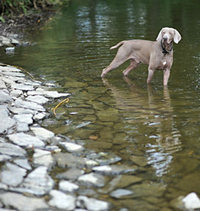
(157,54)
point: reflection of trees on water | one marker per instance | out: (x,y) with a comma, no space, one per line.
(151,123)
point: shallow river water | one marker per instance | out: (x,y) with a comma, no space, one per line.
(155,130)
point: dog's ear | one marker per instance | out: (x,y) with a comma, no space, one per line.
(159,37)
(177,36)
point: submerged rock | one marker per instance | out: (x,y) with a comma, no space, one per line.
(92,179)
(92,204)
(67,186)
(121,193)
(71,147)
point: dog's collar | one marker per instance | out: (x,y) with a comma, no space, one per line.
(164,51)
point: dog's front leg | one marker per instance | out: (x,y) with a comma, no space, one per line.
(166,76)
(150,75)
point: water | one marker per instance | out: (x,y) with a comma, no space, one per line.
(154,130)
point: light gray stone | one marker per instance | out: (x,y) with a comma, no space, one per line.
(4,158)
(12,175)
(92,179)
(71,147)
(23,203)
(191,201)
(37,99)
(24,118)
(26,140)
(42,157)
(121,193)
(67,186)
(12,73)
(6,122)
(2,84)
(16,110)
(9,68)
(5,41)
(22,86)
(16,93)
(12,150)
(38,182)
(92,204)
(61,200)
(39,116)
(50,94)
(42,133)
(23,163)
(22,127)
(28,105)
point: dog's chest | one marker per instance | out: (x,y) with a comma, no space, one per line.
(164,63)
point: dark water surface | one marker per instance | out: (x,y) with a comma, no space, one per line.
(154,130)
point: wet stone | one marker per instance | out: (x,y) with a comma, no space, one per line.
(25,140)
(139,160)
(50,94)
(92,179)
(38,182)
(71,147)
(4,97)
(23,203)
(92,204)
(12,174)
(121,193)
(113,169)
(42,158)
(71,174)
(42,133)
(23,163)
(61,200)
(12,150)
(37,99)
(191,201)
(6,122)
(67,186)
(28,105)
(24,118)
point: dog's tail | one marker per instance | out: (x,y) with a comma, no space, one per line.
(116,46)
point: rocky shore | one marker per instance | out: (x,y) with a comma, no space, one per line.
(30,155)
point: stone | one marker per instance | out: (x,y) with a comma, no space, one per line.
(12,174)
(5,41)
(50,94)
(16,110)
(38,182)
(71,147)
(10,50)
(25,140)
(21,86)
(23,203)
(16,93)
(15,42)
(13,73)
(39,116)
(4,158)
(24,118)
(139,160)
(121,193)
(92,204)
(92,179)
(6,122)
(2,84)
(61,200)
(37,99)
(28,105)
(42,133)
(191,201)
(67,186)
(42,158)
(4,97)
(9,68)
(71,174)
(112,169)
(22,127)
(23,163)
(12,150)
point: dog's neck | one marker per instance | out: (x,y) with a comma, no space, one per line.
(164,50)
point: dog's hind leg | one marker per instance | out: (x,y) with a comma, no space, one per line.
(133,65)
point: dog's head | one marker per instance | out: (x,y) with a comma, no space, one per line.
(168,35)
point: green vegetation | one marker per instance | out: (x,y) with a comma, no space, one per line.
(10,7)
